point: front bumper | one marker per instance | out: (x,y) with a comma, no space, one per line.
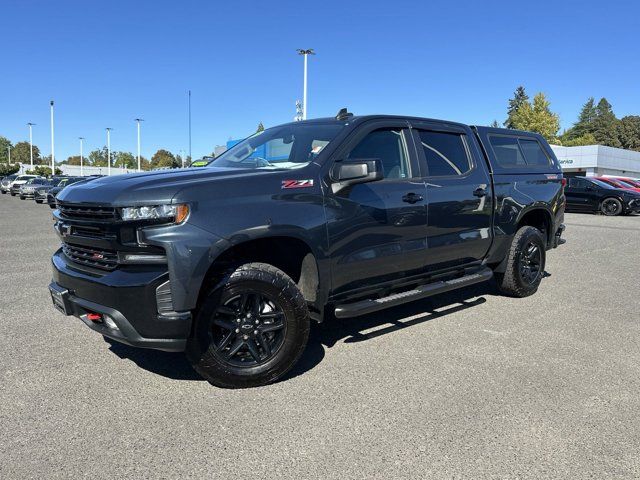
(128,297)
(27,194)
(633,206)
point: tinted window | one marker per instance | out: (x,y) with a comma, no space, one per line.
(445,153)
(507,151)
(388,146)
(577,182)
(533,153)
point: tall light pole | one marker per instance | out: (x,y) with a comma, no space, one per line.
(53,152)
(305,53)
(81,169)
(138,120)
(108,129)
(189,123)
(9,156)
(31,142)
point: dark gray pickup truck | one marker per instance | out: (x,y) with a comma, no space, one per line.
(334,217)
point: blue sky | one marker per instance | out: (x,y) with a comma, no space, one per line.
(106,63)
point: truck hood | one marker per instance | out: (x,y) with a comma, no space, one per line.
(148,187)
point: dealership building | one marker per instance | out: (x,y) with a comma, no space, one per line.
(596,160)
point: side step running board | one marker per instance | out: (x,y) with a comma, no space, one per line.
(373,305)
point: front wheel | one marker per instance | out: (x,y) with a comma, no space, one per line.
(611,207)
(525,264)
(251,329)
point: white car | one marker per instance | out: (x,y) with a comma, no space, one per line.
(5,185)
(14,187)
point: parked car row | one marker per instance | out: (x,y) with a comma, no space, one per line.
(607,195)
(40,189)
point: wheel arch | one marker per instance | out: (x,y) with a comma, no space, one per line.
(288,250)
(539,217)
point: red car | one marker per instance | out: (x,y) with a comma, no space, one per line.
(621,182)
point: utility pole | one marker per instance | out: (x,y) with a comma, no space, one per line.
(108,129)
(53,153)
(305,53)
(81,169)
(138,120)
(31,142)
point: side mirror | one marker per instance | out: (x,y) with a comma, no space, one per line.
(352,172)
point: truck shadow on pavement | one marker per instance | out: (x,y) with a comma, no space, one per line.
(175,365)
(389,321)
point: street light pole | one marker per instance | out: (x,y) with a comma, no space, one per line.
(53,152)
(305,53)
(189,123)
(108,129)
(138,120)
(81,169)
(31,142)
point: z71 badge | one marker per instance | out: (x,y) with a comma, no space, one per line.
(297,183)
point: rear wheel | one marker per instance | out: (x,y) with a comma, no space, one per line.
(525,264)
(251,329)
(611,207)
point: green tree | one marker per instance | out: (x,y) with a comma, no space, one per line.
(125,159)
(74,160)
(605,125)
(584,125)
(21,153)
(8,169)
(43,171)
(537,117)
(5,144)
(629,132)
(519,99)
(586,139)
(495,124)
(260,128)
(163,158)
(98,157)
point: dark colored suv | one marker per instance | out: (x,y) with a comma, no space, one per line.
(334,217)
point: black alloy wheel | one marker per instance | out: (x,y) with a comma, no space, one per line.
(530,263)
(611,207)
(248,329)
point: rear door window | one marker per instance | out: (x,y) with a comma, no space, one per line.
(533,153)
(507,151)
(446,153)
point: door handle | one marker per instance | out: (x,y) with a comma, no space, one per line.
(480,192)
(412,198)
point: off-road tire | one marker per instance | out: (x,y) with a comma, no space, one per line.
(512,282)
(266,280)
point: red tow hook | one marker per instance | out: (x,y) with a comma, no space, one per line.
(95,317)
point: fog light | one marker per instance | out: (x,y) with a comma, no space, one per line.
(108,321)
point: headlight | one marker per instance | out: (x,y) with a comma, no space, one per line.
(176,213)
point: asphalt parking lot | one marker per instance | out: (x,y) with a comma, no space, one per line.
(469,385)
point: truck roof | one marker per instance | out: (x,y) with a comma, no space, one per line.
(363,118)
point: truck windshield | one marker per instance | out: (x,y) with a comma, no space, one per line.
(285,147)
